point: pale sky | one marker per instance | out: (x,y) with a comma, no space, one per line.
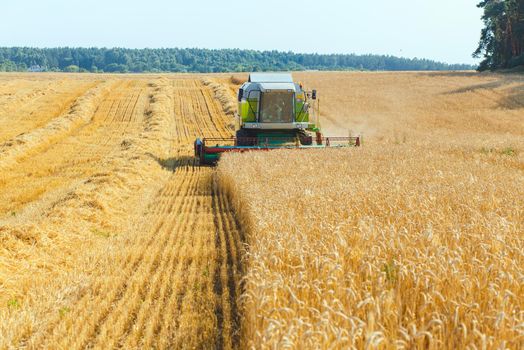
(443,30)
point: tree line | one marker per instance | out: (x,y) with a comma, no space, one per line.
(502,38)
(67,59)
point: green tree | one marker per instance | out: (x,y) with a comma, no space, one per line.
(72,69)
(502,38)
(119,60)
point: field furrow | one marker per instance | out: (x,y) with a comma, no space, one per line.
(172,279)
(118,117)
(31,106)
(108,293)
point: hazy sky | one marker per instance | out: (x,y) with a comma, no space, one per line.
(444,30)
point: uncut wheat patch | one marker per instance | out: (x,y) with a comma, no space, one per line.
(380,247)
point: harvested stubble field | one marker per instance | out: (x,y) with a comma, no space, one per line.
(111,236)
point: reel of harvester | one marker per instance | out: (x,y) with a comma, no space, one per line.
(208,150)
(273,113)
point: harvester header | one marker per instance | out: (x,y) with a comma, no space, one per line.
(274,112)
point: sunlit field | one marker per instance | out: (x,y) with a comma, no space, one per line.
(112,235)
(414,240)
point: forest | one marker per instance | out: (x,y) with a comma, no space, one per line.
(502,39)
(121,60)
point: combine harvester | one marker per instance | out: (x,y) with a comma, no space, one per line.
(273,113)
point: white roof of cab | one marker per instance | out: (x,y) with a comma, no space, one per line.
(277,86)
(270,78)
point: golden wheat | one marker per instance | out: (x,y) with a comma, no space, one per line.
(112,236)
(414,241)
(26,105)
(402,246)
(120,240)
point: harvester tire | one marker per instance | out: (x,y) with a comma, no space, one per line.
(305,138)
(245,138)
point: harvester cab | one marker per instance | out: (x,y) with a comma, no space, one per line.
(274,112)
(272,105)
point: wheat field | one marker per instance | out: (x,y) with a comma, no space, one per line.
(112,236)
(416,240)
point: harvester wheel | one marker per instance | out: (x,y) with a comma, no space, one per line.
(198,147)
(305,138)
(245,138)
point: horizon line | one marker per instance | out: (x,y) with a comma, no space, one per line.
(239,49)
